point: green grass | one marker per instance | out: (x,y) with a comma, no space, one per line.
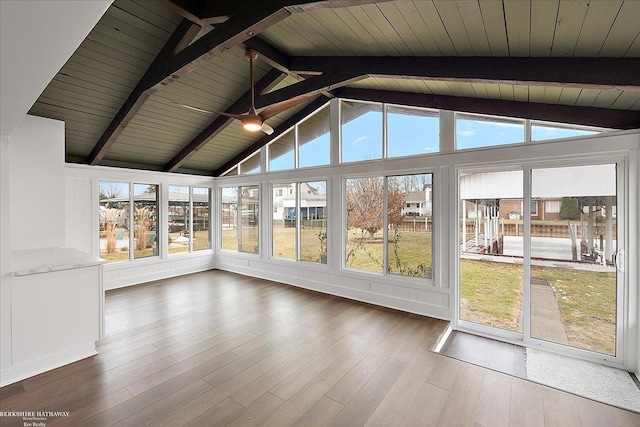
(587,303)
(249,239)
(491,293)
(414,252)
(284,243)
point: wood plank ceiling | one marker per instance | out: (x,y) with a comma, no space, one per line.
(122,93)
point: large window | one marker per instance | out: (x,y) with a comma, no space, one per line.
(412,131)
(114,213)
(546,131)
(145,216)
(373,130)
(229,218)
(179,236)
(474,131)
(120,238)
(314,144)
(251,164)
(281,152)
(239,213)
(201,207)
(389,224)
(299,221)
(189,219)
(361,125)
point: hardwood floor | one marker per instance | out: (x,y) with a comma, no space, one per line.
(217,348)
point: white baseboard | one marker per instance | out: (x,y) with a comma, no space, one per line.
(416,307)
(116,281)
(19,373)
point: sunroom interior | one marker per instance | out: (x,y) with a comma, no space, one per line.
(451,159)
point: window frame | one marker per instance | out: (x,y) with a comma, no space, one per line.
(297,183)
(238,218)
(413,281)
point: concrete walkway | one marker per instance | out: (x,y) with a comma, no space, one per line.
(545,314)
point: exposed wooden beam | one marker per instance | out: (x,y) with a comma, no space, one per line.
(597,73)
(184,33)
(189,9)
(225,36)
(276,58)
(168,67)
(311,86)
(269,54)
(282,128)
(589,116)
(271,79)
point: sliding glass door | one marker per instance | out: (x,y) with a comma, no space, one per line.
(537,256)
(490,262)
(574,243)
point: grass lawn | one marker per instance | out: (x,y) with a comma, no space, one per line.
(414,253)
(587,303)
(491,293)
(284,243)
(249,239)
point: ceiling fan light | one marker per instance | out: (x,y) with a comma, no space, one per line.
(251,124)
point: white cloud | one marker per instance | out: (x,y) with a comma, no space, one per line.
(360,139)
(468,132)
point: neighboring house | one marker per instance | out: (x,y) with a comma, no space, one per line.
(418,203)
(312,203)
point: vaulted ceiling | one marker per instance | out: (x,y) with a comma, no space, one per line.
(123,93)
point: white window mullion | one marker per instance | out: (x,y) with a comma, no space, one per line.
(132,223)
(385,225)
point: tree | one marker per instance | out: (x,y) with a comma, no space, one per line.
(365,202)
(569,209)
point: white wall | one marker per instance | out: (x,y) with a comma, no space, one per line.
(31,203)
(5,254)
(37,184)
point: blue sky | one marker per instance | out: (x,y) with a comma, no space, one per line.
(413,132)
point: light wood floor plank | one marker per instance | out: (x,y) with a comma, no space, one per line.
(394,407)
(365,402)
(219,415)
(257,411)
(296,381)
(216,348)
(274,377)
(494,400)
(559,409)
(526,408)
(302,401)
(461,407)
(426,408)
(320,414)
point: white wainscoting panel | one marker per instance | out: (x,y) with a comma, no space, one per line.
(379,290)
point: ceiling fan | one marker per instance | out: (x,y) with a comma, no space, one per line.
(252,120)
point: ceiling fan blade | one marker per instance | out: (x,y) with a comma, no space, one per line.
(267,129)
(276,109)
(189,107)
(233,116)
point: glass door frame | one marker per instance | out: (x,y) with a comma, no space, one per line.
(465,325)
(622,283)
